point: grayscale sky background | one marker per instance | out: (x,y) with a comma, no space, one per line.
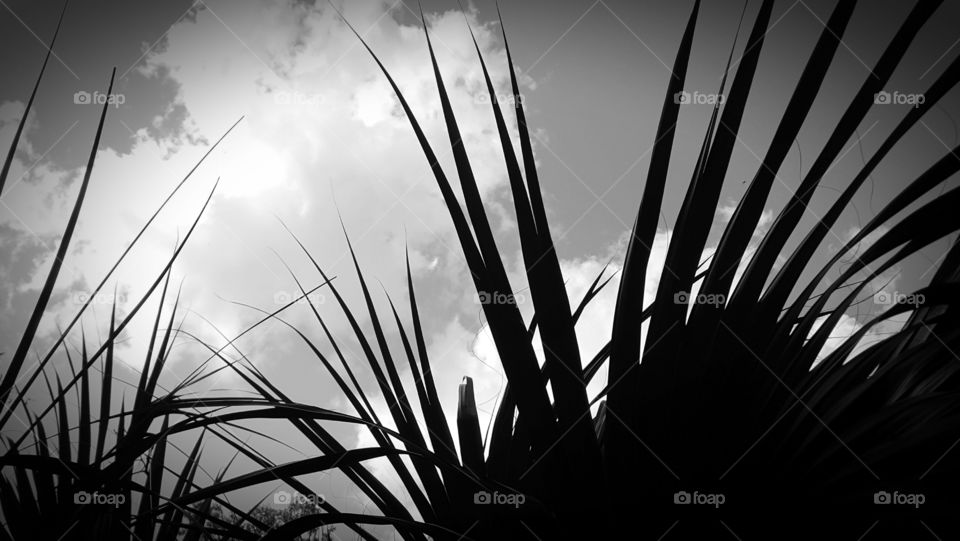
(324,134)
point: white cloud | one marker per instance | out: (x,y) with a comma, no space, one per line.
(337,142)
(848,325)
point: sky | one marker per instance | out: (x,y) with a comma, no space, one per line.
(323,140)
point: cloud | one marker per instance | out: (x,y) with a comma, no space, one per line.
(849,325)
(323,134)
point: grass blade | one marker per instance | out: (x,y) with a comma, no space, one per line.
(16,362)
(26,110)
